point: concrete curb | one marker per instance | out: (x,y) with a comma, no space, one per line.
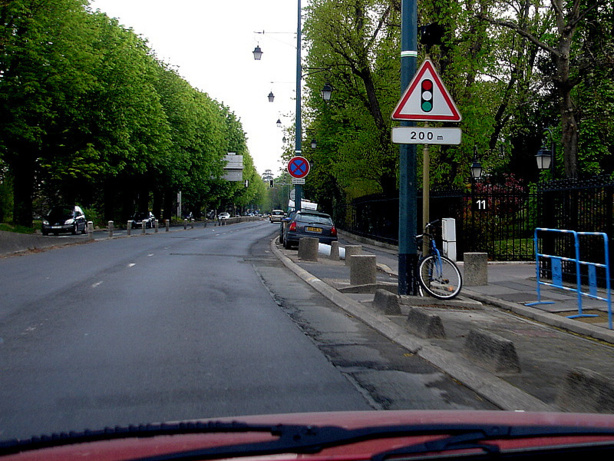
(490,387)
(545,317)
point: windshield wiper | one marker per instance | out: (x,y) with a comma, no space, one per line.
(313,439)
(305,439)
(474,439)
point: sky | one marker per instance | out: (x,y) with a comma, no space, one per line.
(210,42)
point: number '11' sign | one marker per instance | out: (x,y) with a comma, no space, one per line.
(479,205)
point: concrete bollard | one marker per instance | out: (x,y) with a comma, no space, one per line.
(585,391)
(351,250)
(423,324)
(363,269)
(110,228)
(168,224)
(475,269)
(129,228)
(334,251)
(492,351)
(90,230)
(308,249)
(143,227)
(156,226)
(386,302)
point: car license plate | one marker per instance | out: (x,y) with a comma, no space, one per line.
(56,227)
(314,229)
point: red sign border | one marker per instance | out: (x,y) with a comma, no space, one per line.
(292,160)
(426,65)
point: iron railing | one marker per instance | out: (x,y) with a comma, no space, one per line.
(495,218)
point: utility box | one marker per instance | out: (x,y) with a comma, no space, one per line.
(448,235)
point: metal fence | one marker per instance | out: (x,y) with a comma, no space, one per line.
(495,218)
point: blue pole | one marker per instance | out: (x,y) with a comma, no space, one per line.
(298,188)
(408,252)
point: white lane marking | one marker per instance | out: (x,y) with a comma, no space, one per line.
(131,264)
(94,285)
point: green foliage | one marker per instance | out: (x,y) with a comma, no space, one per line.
(90,115)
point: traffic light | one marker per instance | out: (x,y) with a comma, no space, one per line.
(426,95)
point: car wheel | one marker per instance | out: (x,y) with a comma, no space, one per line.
(84,231)
(75,228)
(286,244)
(45,232)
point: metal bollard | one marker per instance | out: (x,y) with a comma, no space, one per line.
(185,224)
(90,230)
(110,228)
(156,225)
(143,227)
(129,228)
(168,225)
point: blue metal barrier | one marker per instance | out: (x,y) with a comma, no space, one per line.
(557,273)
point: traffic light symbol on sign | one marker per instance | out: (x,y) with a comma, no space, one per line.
(426,95)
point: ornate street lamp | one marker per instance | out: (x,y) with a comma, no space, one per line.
(543,158)
(476,167)
(326,92)
(271,97)
(278,123)
(257,53)
(314,144)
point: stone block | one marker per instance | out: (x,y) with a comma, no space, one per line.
(585,391)
(334,251)
(308,248)
(386,302)
(491,351)
(363,269)
(424,324)
(351,250)
(475,269)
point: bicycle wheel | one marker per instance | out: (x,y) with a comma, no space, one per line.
(440,277)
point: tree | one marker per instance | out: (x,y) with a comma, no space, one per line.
(44,61)
(573,56)
(350,46)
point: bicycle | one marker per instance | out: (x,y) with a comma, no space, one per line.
(438,275)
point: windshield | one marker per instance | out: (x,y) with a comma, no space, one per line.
(61,212)
(315,219)
(466,269)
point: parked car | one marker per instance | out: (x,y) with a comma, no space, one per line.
(223,215)
(276,215)
(285,222)
(147,216)
(64,219)
(309,223)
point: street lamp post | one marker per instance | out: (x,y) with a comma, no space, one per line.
(408,250)
(297,149)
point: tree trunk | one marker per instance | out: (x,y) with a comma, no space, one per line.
(23,190)
(569,137)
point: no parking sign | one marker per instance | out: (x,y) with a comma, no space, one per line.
(298,167)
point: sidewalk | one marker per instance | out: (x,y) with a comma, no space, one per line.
(564,364)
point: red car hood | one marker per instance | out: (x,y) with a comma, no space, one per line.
(135,446)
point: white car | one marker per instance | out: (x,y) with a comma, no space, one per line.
(276,215)
(223,215)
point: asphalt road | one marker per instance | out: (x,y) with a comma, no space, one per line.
(183,325)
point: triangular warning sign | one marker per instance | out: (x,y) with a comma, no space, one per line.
(426,99)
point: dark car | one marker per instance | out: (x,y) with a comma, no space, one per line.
(147,216)
(64,219)
(309,223)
